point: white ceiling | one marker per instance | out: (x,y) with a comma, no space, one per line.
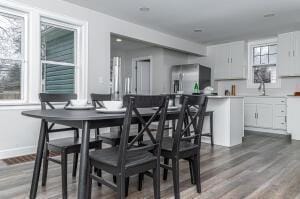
(221,20)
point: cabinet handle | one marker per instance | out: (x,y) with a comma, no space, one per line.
(293,53)
(228,60)
(231,60)
(282,111)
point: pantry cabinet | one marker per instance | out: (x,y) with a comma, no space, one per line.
(229,61)
(289,54)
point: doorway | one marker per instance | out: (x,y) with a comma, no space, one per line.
(142,76)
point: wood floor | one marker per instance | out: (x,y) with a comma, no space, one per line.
(262,167)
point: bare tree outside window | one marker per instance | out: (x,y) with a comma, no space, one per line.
(11,56)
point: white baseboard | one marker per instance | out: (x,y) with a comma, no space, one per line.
(9,153)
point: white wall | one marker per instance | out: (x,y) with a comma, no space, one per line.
(18,134)
(162,60)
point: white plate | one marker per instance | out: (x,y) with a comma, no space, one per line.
(170,108)
(104,110)
(86,107)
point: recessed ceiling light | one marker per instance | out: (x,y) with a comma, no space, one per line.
(198,30)
(144,9)
(269,15)
(119,40)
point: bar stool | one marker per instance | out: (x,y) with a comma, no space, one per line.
(210,114)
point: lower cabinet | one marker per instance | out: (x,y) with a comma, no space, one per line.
(250,115)
(265,112)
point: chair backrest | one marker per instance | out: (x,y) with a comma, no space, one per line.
(135,104)
(191,115)
(47,99)
(97,98)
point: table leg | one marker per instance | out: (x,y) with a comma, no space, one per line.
(84,162)
(38,160)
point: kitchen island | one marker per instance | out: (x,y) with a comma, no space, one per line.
(228,120)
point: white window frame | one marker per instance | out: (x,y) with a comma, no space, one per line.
(32,66)
(76,30)
(251,46)
(24,59)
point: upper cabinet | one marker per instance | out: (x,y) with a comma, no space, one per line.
(289,54)
(229,61)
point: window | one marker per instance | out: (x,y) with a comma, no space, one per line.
(11,56)
(58,60)
(262,63)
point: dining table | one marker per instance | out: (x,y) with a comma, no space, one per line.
(84,120)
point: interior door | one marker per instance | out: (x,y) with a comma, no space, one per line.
(143,77)
(250,114)
(265,115)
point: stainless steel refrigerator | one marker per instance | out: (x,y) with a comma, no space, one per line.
(184,77)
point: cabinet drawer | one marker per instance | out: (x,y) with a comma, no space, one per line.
(265,100)
(280,110)
(279,123)
(279,101)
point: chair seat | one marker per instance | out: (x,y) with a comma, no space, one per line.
(109,157)
(71,144)
(167,145)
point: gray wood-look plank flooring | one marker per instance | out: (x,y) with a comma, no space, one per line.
(262,167)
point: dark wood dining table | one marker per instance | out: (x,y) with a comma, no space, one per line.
(81,119)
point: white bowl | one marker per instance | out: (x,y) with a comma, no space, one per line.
(112,105)
(78,102)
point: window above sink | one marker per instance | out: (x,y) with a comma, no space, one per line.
(262,63)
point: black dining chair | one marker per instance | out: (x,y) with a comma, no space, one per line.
(62,146)
(112,137)
(131,158)
(185,143)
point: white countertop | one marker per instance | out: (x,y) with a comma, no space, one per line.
(223,97)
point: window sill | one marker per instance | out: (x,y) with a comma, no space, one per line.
(19,106)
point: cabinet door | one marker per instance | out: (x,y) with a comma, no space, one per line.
(237,60)
(250,113)
(285,66)
(296,53)
(264,115)
(221,60)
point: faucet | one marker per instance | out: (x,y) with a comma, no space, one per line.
(262,87)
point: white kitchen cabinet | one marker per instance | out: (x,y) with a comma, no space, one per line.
(221,57)
(250,115)
(237,60)
(289,54)
(265,113)
(230,61)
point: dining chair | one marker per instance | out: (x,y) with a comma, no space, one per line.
(112,137)
(131,158)
(185,143)
(62,146)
